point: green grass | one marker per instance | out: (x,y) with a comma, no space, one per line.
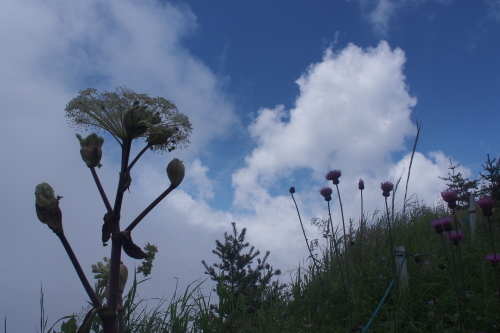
(315,301)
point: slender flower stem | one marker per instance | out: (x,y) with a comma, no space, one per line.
(138,156)
(460,266)
(79,271)
(495,256)
(459,301)
(304,232)
(337,253)
(390,238)
(101,191)
(149,208)
(361,222)
(346,257)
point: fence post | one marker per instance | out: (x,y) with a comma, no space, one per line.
(472,215)
(403,272)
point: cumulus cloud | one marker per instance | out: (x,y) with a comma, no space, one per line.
(353,113)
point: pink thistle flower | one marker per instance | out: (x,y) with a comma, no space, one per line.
(455,236)
(334,176)
(494,258)
(386,188)
(326,192)
(442,224)
(486,204)
(450,196)
(441,266)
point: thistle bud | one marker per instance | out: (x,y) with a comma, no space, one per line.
(47,207)
(175,172)
(91,149)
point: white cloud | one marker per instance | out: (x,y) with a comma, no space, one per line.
(54,50)
(380,12)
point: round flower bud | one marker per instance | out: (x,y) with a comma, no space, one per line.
(47,207)
(292,190)
(91,151)
(175,172)
(386,188)
(361,184)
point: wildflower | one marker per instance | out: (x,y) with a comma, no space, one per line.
(442,224)
(456,236)
(334,176)
(292,190)
(494,258)
(450,196)
(47,207)
(427,262)
(326,192)
(417,258)
(127,115)
(441,266)
(90,150)
(361,184)
(486,204)
(431,303)
(352,243)
(386,188)
(175,172)
(383,258)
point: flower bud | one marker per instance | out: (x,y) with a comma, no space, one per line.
(159,136)
(135,120)
(175,172)
(47,207)
(91,149)
(292,190)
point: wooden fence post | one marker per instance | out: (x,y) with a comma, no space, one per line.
(472,215)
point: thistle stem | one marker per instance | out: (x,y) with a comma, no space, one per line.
(303,231)
(346,257)
(101,191)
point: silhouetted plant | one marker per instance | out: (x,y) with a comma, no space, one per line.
(126,116)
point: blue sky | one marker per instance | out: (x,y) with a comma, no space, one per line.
(278,92)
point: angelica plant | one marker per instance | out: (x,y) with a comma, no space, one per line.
(126,116)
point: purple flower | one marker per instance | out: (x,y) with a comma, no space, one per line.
(494,258)
(386,188)
(486,204)
(361,184)
(442,224)
(431,303)
(417,258)
(456,236)
(450,196)
(326,192)
(334,176)
(441,266)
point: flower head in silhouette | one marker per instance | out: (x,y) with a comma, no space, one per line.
(450,197)
(386,188)
(326,192)
(334,176)
(361,184)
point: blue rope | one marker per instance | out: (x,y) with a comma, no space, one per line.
(382,301)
